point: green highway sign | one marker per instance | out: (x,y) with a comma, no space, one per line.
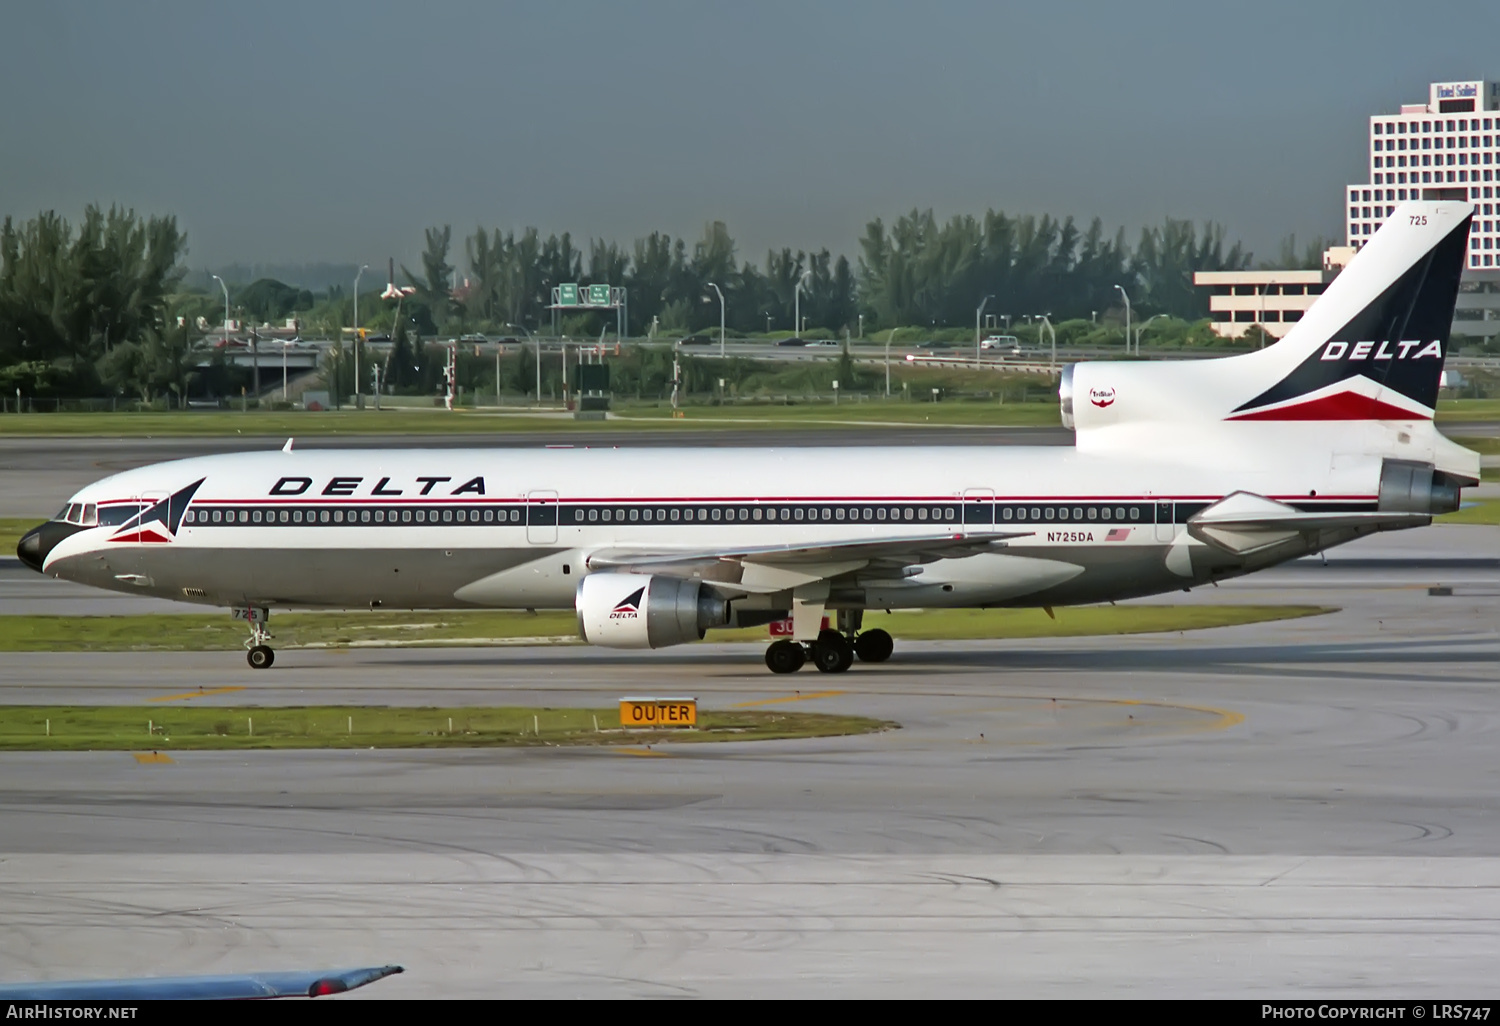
(598,295)
(567,295)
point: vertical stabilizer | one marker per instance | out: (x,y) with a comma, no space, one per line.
(1372,347)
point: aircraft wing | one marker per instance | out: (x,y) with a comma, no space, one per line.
(778,564)
(201,988)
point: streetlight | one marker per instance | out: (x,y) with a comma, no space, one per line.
(1121,290)
(721,316)
(1042,320)
(216,278)
(358,393)
(888,362)
(977,314)
(1141,329)
(797,306)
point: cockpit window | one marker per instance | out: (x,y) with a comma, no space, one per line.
(113,516)
(82,514)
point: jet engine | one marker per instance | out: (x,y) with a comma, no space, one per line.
(1407,486)
(635,611)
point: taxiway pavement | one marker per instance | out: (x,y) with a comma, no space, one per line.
(1295,809)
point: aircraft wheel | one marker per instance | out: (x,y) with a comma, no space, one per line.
(831,653)
(260,657)
(874,646)
(785,657)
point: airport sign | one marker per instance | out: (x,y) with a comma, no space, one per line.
(658,712)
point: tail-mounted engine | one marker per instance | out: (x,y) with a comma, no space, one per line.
(635,611)
(1407,486)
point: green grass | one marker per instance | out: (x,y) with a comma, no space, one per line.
(207,728)
(11,529)
(488,420)
(1483,446)
(1468,409)
(206,633)
(1485,511)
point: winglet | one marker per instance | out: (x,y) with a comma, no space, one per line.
(288,446)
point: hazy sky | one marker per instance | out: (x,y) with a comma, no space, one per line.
(311,131)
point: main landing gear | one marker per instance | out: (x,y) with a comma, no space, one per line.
(257,653)
(835,650)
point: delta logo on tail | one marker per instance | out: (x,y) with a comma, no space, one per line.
(629,607)
(1386,362)
(158,523)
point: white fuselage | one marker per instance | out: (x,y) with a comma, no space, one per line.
(507,528)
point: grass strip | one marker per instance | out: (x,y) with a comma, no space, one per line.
(33,728)
(11,529)
(1483,511)
(484,420)
(192,632)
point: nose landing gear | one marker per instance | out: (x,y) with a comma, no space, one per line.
(835,650)
(258,654)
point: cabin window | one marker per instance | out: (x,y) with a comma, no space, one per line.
(256,518)
(1135,513)
(1106,512)
(716,513)
(1049,512)
(1006,515)
(1119,512)
(758,513)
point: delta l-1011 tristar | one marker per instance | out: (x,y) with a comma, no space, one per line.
(1183,473)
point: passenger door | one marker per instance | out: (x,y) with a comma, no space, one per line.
(541,517)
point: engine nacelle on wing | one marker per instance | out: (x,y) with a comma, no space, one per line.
(634,611)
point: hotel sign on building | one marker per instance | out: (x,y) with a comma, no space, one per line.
(1446,148)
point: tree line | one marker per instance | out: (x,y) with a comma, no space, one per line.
(101,306)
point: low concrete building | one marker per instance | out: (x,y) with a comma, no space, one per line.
(1275,300)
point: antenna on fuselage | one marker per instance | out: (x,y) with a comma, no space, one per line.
(288,446)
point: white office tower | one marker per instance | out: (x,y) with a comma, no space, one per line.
(1445,149)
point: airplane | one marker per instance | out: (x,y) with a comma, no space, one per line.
(1182,473)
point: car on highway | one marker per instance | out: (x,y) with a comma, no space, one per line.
(934,345)
(793,341)
(694,340)
(1004,343)
(824,342)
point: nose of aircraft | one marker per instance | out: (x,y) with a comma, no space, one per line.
(30,549)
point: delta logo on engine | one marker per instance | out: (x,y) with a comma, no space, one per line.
(629,608)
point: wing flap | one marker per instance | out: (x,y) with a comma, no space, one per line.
(793,558)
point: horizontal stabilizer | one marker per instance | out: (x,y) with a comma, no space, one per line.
(1243,523)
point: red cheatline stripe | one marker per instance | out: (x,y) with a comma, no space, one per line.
(1343,406)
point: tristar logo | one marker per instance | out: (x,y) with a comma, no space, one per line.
(1383,350)
(1102,397)
(628,608)
(158,523)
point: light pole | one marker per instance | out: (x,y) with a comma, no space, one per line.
(1121,290)
(226,307)
(797,306)
(888,362)
(358,394)
(977,315)
(1042,319)
(721,316)
(1139,331)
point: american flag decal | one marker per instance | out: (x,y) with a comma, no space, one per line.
(1117,534)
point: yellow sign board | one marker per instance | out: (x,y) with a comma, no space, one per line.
(658,712)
